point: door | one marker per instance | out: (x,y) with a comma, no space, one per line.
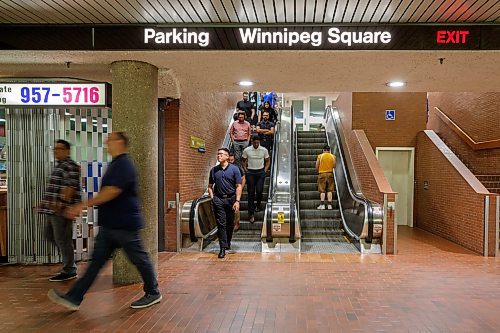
(308,111)
(397,164)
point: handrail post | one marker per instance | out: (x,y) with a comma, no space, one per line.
(178,220)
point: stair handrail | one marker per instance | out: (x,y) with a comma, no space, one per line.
(475,145)
(294,206)
(372,212)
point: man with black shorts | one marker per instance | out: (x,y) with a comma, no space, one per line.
(224,187)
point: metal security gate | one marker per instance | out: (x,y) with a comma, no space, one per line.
(30,136)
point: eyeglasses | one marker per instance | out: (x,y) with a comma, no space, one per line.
(58,148)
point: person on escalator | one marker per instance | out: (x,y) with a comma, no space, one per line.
(240,136)
(256,162)
(224,187)
(325,164)
(243,181)
(266,107)
(247,107)
(265,129)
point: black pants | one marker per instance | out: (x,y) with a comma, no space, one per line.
(255,186)
(106,242)
(224,216)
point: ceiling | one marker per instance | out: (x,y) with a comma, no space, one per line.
(285,71)
(247,11)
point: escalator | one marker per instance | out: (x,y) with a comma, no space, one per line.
(199,229)
(354,224)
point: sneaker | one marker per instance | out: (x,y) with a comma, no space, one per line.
(145,301)
(63,277)
(330,207)
(251,219)
(61,299)
(321,207)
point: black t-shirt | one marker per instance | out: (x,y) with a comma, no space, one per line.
(265,125)
(122,212)
(272,114)
(245,106)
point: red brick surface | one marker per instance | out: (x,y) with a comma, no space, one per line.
(450,207)
(432,286)
(204,115)
(476,114)
(368,114)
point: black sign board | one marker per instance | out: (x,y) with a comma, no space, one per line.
(252,37)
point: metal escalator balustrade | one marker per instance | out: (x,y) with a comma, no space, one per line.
(281,232)
(361,218)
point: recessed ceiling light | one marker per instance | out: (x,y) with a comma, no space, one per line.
(396,84)
(245,83)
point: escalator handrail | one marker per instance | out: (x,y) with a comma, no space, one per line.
(272,181)
(357,197)
(192,213)
(294,202)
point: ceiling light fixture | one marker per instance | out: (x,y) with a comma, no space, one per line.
(396,84)
(245,83)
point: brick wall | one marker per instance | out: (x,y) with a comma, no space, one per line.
(205,115)
(452,206)
(368,114)
(475,114)
(344,106)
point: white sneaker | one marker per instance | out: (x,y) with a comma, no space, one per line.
(321,207)
(330,207)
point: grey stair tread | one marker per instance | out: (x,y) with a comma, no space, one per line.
(315,230)
(312,140)
(310,145)
(313,195)
(308,186)
(328,247)
(313,204)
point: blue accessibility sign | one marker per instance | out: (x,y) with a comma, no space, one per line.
(390,114)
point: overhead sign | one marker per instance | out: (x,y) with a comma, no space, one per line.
(252,37)
(54,94)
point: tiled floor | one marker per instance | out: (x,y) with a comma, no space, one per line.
(431,286)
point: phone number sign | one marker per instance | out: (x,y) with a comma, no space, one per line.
(54,94)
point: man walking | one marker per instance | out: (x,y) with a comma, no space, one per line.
(120,219)
(224,187)
(243,182)
(325,163)
(240,136)
(62,191)
(256,163)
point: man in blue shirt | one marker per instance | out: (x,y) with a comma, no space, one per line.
(120,220)
(224,187)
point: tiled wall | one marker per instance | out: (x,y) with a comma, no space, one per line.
(86,129)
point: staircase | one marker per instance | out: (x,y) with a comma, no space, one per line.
(491,182)
(322,230)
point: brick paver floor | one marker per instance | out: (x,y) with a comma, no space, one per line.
(432,285)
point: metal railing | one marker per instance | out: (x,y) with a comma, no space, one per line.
(361,218)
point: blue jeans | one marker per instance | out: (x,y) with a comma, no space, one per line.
(105,243)
(60,230)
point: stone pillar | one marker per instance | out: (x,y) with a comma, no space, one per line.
(135,111)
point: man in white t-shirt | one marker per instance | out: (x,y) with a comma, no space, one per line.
(256,163)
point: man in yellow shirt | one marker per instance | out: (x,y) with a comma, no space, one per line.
(325,163)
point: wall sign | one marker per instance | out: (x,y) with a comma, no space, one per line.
(252,37)
(54,94)
(390,114)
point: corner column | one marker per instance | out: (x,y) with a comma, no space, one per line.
(135,111)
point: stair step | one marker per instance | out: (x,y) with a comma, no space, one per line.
(313,195)
(311,145)
(317,213)
(312,140)
(321,223)
(312,186)
(311,134)
(313,204)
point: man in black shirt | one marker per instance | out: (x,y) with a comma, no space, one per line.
(120,220)
(246,106)
(265,128)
